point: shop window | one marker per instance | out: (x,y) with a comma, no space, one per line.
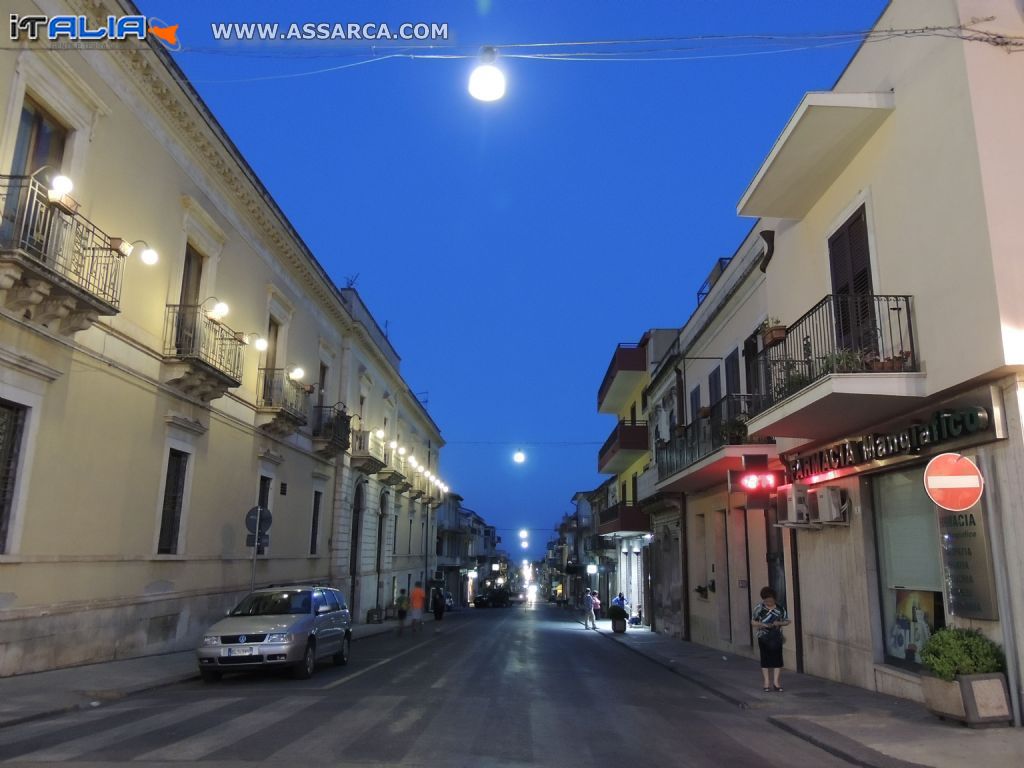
(910,565)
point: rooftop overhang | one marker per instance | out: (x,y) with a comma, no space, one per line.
(825,133)
(841,404)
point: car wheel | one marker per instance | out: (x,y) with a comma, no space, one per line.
(304,669)
(209,675)
(341,657)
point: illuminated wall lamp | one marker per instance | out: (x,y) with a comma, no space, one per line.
(147,256)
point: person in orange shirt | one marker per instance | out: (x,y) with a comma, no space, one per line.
(418,600)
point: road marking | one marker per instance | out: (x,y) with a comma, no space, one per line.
(221,735)
(388,660)
(71,749)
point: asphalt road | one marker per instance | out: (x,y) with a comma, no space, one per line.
(494,687)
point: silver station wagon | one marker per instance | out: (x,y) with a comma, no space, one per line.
(281,626)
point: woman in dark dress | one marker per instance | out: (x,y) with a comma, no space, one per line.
(768,619)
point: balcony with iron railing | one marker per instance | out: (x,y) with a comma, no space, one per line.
(331,433)
(282,405)
(627,442)
(624,518)
(56,267)
(625,371)
(393,473)
(367,452)
(703,452)
(849,361)
(202,356)
(419,486)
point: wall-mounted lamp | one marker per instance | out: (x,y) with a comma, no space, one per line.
(379,434)
(147,255)
(218,311)
(253,338)
(59,190)
(296,373)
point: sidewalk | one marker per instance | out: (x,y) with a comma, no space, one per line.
(863,727)
(28,697)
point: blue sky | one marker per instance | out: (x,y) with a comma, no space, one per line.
(510,246)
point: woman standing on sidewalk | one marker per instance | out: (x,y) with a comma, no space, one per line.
(768,618)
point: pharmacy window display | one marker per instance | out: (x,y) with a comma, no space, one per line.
(910,564)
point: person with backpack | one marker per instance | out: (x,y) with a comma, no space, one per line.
(588,611)
(402,604)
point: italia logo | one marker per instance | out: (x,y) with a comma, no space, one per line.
(79,28)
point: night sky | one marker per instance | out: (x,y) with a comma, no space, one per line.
(507,247)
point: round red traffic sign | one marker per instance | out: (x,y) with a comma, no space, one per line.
(953,482)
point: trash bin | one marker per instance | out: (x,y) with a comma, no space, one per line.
(373,616)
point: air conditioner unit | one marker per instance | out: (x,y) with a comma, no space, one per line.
(794,504)
(830,504)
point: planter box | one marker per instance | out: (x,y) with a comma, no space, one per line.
(977,700)
(618,625)
(772,336)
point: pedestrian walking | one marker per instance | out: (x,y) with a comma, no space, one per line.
(417,601)
(597,604)
(768,618)
(438,605)
(402,604)
(588,611)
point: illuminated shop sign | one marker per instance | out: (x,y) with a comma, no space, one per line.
(945,426)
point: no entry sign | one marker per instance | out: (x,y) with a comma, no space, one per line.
(953,482)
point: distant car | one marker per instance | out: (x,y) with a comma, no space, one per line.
(482,600)
(500,598)
(518,596)
(278,627)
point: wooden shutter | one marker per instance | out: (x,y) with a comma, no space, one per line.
(850,262)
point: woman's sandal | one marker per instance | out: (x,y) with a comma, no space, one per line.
(767,690)
(778,689)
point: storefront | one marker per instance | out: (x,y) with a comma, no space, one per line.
(879,566)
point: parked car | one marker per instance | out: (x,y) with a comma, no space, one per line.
(279,627)
(500,598)
(482,600)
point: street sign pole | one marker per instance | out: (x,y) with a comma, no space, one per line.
(255,547)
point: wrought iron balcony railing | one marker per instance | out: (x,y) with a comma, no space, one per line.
(190,334)
(58,239)
(331,425)
(724,423)
(842,333)
(274,390)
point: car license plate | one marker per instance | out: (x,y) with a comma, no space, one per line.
(244,651)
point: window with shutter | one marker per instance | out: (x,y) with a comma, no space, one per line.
(850,262)
(715,386)
(12,420)
(174,498)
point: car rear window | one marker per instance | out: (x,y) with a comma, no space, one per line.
(281,603)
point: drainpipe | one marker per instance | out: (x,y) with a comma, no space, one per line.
(684,563)
(997,543)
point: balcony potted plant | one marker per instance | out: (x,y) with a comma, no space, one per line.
(734,431)
(772,332)
(966,681)
(618,616)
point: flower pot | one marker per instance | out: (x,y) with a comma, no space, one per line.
(977,700)
(772,336)
(618,625)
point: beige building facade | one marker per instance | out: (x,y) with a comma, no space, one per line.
(886,244)
(171,356)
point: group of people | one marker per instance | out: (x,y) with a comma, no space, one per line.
(592,606)
(412,605)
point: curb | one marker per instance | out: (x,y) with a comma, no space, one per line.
(696,679)
(836,744)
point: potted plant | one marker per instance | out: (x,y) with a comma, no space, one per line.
(966,681)
(734,431)
(618,616)
(772,332)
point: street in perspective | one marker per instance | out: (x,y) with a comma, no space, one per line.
(507,383)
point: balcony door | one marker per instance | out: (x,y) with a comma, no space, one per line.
(39,144)
(850,262)
(188,302)
(270,361)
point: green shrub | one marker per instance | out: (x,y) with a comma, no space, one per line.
(953,651)
(617,612)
